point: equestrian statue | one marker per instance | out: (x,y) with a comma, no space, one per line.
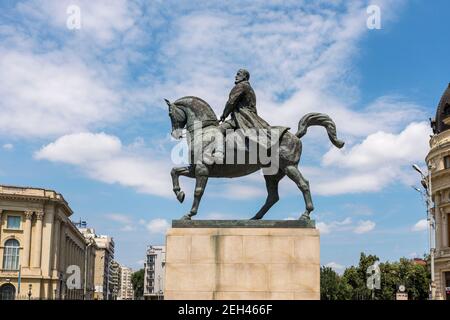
(212,156)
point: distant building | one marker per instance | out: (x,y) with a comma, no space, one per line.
(419,262)
(126,286)
(104,255)
(154,273)
(116,274)
(438,159)
(40,247)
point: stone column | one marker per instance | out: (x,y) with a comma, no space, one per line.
(62,247)
(445,229)
(27,239)
(438,221)
(56,243)
(38,242)
(1,211)
(70,248)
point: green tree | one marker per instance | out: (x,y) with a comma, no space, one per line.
(329,284)
(414,277)
(332,287)
(352,285)
(356,277)
(137,279)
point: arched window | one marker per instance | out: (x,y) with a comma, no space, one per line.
(447,109)
(11,255)
(7,292)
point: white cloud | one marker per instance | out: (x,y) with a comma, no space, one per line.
(125,221)
(119,218)
(50,94)
(57,81)
(81,148)
(420,226)
(104,158)
(8,146)
(364,227)
(158,226)
(100,21)
(379,160)
(383,148)
(346,225)
(336,267)
(326,228)
(307,51)
(323,227)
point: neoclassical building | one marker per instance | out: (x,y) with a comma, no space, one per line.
(438,161)
(39,245)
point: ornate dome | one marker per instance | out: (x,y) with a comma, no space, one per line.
(442,120)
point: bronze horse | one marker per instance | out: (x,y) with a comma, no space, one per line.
(187,111)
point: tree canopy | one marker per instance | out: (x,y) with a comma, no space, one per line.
(137,279)
(352,284)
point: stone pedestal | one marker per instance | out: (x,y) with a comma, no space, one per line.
(254,260)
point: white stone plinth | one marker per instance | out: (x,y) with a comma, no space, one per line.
(242,263)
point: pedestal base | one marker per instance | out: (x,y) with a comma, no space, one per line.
(238,262)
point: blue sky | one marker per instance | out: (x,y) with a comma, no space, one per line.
(82,110)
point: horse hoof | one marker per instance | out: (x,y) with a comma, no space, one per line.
(180,196)
(186,217)
(305,216)
(256,218)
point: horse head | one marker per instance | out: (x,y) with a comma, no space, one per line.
(177,118)
(188,111)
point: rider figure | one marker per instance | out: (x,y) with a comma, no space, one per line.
(242,106)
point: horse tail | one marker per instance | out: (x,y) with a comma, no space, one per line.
(319,119)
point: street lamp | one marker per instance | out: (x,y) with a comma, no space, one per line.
(159,288)
(86,255)
(429,201)
(30,286)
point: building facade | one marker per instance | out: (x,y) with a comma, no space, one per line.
(116,274)
(438,161)
(103,269)
(42,253)
(126,286)
(154,271)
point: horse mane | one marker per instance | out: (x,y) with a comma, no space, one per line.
(199,107)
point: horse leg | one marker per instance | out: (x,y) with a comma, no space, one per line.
(294,174)
(201,178)
(272,194)
(176,173)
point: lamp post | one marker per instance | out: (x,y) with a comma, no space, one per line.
(159,288)
(86,255)
(426,183)
(30,286)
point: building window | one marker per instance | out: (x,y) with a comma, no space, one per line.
(447,162)
(7,292)
(447,285)
(13,222)
(11,255)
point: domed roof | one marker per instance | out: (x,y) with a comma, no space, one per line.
(443,111)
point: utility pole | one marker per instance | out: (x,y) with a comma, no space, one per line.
(426,182)
(431,224)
